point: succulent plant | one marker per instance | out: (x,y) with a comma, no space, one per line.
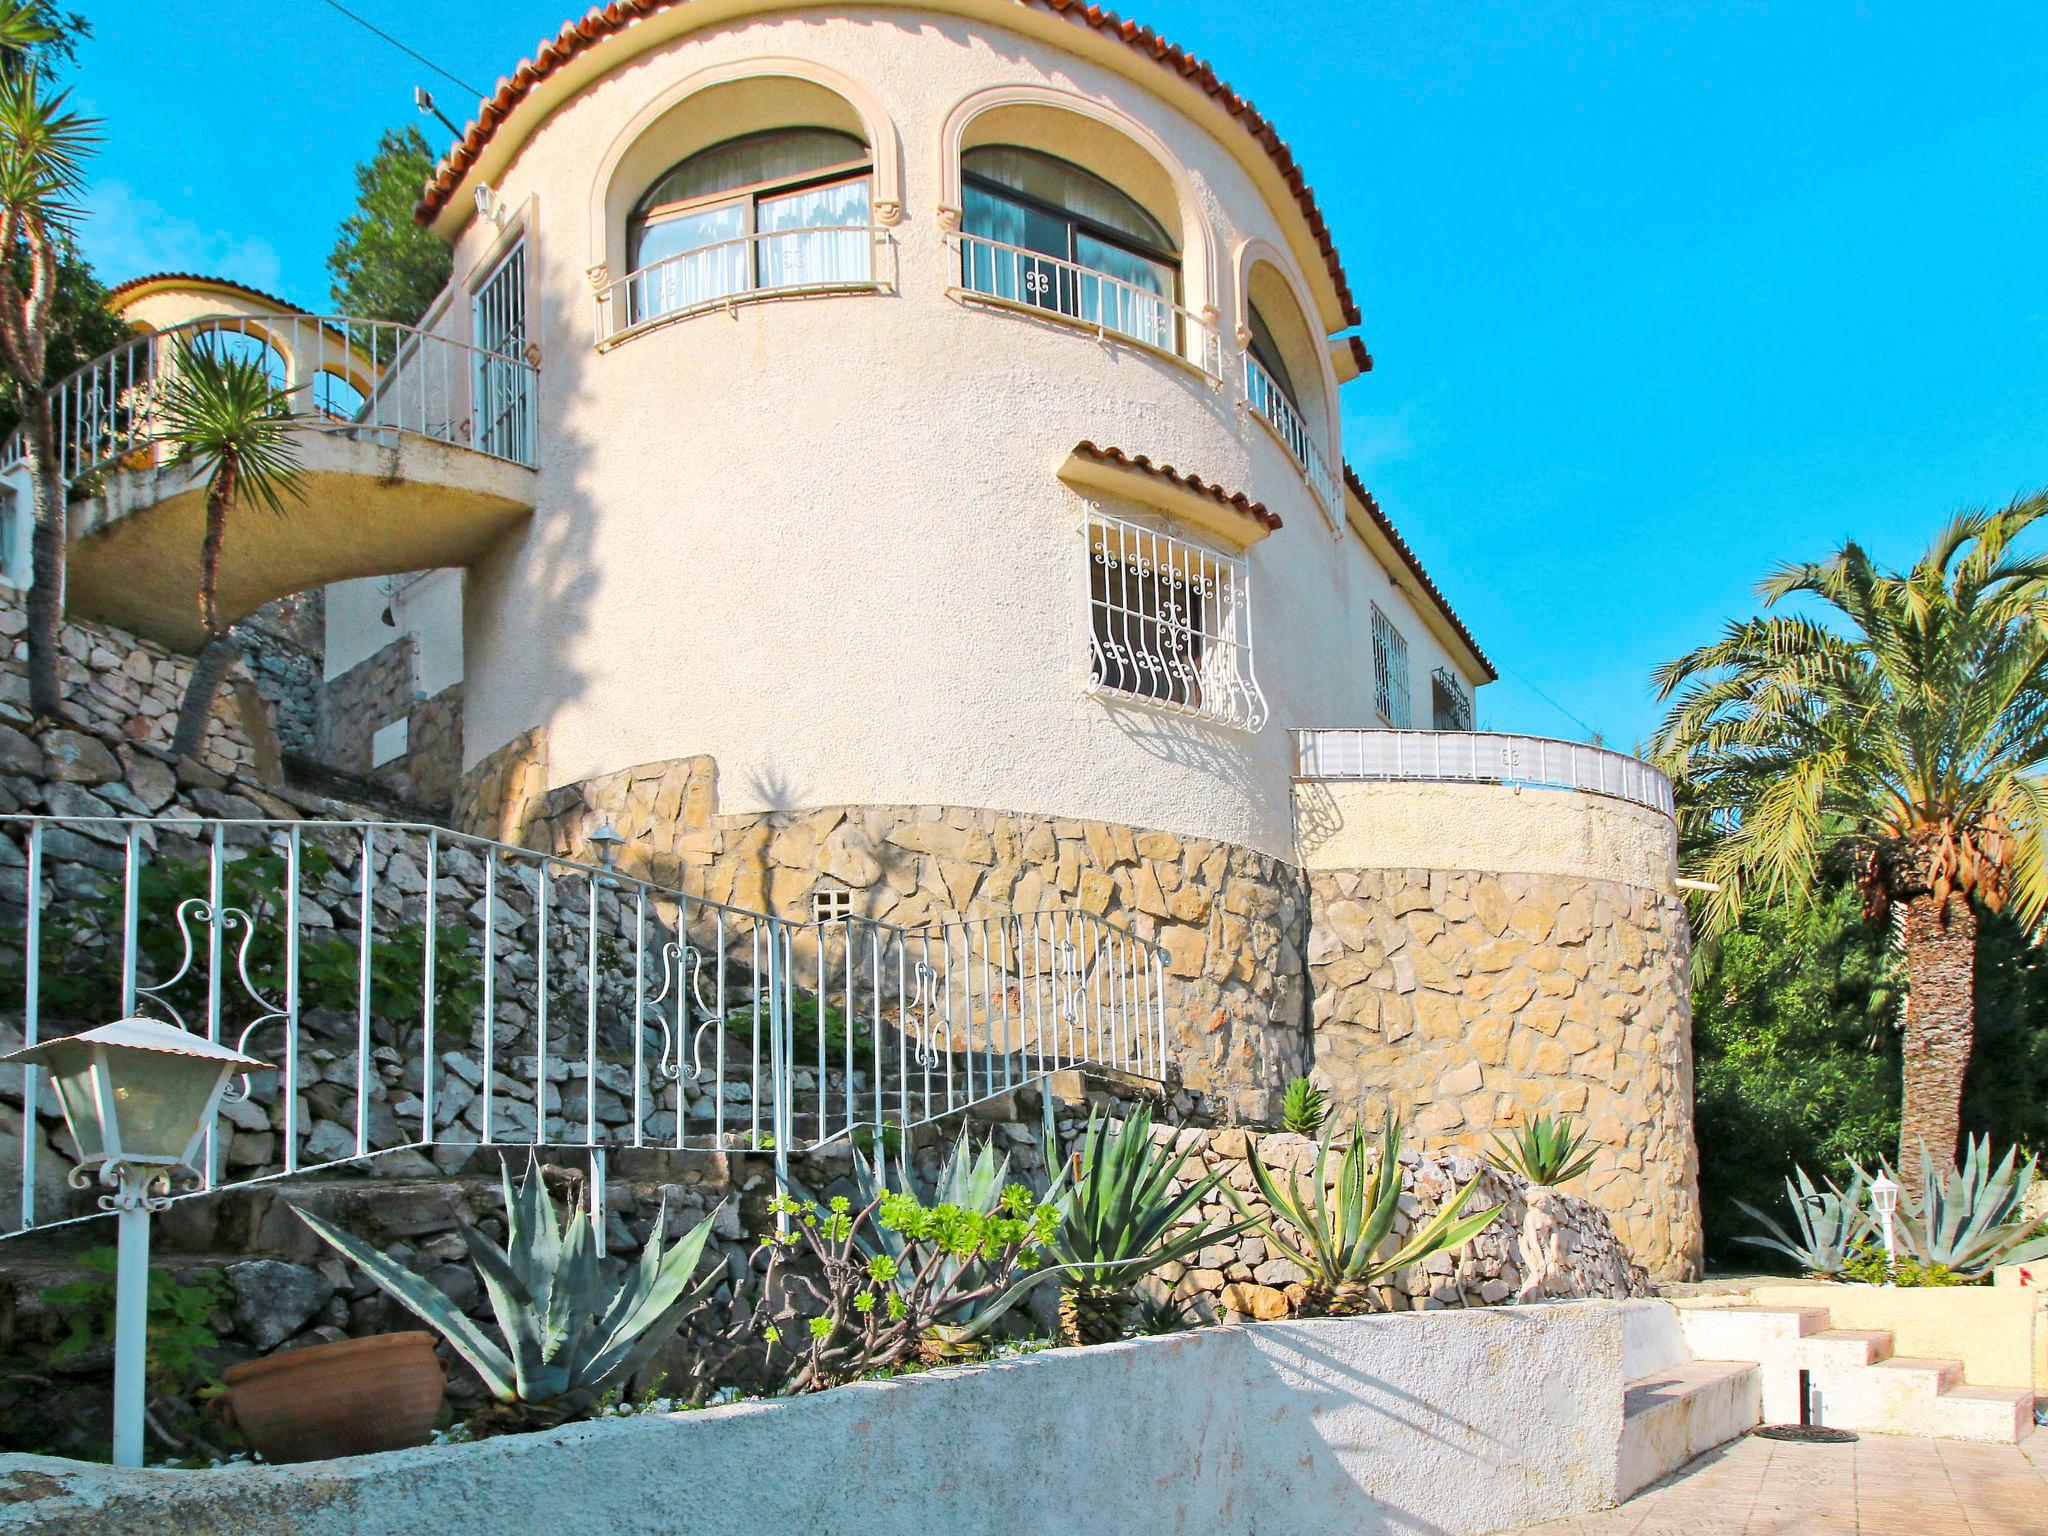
(1973,1218)
(1339,1234)
(1118,1216)
(1545,1151)
(565,1337)
(1831,1223)
(1305,1107)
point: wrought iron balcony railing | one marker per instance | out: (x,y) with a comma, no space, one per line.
(1263,394)
(1479,757)
(784,263)
(1012,275)
(339,375)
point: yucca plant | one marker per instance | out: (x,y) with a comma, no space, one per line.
(1118,1221)
(1973,1218)
(1831,1223)
(1339,1234)
(1161,1312)
(564,1339)
(1545,1151)
(1305,1107)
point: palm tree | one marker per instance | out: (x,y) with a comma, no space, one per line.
(227,416)
(43,147)
(1908,725)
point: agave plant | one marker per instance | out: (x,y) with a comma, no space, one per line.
(564,1338)
(972,1180)
(1972,1218)
(1305,1107)
(1545,1151)
(1339,1241)
(1118,1221)
(1831,1223)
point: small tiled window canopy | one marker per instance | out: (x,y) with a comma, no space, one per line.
(1170,623)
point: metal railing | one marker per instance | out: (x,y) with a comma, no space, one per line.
(1030,280)
(342,375)
(416,990)
(768,264)
(1262,393)
(1482,757)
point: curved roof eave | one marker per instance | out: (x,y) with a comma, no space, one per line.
(579,40)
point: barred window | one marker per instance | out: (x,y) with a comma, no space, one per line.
(1170,623)
(1450,704)
(1389,670)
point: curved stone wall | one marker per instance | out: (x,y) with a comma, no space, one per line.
(1479,955)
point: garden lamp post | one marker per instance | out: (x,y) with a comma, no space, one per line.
(138,1096)
(606,841)
(1884,1196)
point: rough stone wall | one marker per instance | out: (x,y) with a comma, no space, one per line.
(118,682)
(282,643)
(374,693)
(1231,921)
(1469,1002)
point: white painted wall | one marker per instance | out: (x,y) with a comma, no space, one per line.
(823,540)
(427,605)
(1446,1422)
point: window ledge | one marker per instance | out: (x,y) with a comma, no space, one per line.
(1069,322)
(732,301)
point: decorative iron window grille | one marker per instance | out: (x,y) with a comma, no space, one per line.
(1170,623)
(1389,670)
(1451,705)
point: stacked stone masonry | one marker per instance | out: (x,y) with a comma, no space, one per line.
(377,692)
(1471,1002)
(1231,922)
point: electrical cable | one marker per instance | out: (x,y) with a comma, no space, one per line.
(411,53)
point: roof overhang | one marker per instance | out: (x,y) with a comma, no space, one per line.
(1384,540)
(585,50)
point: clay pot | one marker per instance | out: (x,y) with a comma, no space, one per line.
(346,1399)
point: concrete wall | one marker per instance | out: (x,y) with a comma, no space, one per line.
(840,518)
(1423,825)
(1448,1422)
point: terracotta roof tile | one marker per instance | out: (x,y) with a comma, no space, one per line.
(1386,526)
(1237,500)
(119,289)
(579,35)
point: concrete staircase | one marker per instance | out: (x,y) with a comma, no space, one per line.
(1858,1383)
(1676,1407)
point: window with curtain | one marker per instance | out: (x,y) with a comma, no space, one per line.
(788,208)
(1044,232)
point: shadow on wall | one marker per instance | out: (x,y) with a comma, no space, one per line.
(1187,743)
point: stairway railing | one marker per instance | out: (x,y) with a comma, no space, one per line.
(417,991)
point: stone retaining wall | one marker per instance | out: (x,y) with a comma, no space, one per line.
(1470,1002)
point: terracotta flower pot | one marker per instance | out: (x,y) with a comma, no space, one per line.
(376,1394)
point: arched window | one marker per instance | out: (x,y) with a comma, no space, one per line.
(1046,232)
(336,397)
(787,208)
(232,344)
(1265,352)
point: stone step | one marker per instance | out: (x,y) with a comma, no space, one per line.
(1839,1348)
(1682,1412)
(1747,1333)
(2002,1415)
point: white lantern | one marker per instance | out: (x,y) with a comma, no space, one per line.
(137,1092)
(1884,1199)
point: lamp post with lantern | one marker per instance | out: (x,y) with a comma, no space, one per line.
(1884,1198)
(138,1096)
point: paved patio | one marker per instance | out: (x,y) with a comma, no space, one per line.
(1880,1486)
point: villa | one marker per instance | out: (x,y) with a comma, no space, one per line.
(884,464)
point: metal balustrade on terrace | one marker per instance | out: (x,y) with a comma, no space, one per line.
(419,991)
(417,452)
(1479,757)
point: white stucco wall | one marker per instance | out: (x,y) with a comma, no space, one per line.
(1528,831)
(824,540)
(1446,1422)
(426,605)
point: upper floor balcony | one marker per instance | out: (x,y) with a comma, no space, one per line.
(1478,757)
(415,451)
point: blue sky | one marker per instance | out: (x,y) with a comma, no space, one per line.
(1660,294)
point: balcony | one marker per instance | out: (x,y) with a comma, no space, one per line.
(1478,757)
(1032,283)
(416,451)
(1267,402)
(778,264)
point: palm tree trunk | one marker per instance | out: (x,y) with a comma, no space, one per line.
(195,712)
(46,590)
(1941,957)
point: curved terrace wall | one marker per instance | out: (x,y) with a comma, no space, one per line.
(1479,954)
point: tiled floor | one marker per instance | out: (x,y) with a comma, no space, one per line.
(1877,1487)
